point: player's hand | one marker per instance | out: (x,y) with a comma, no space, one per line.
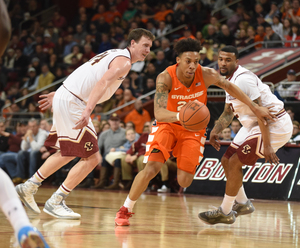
(264,114)
(46,101)
(83,121)
(215,140)
(270,155)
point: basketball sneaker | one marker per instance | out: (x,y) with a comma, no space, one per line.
(122,217)
(57,207)
(164,189)
(242,209)
(30,237)
(217,216)
(26,191)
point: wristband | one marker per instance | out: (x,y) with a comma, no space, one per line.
(177,116)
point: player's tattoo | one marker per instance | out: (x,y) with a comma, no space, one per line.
(161,95)
(222,83)
(224,120)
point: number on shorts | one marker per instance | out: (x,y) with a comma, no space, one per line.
(97,58)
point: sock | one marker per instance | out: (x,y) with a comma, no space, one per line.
(16,214)
(227,204)
(241,196)
(63,190)
(37,178)
(129,204)
(10,203)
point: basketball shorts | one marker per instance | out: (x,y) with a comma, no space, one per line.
(67,110)
(186,146)
(248,143)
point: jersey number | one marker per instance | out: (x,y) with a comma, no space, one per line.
(97,58)
(180,105)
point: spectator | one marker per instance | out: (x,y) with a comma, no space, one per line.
(128,97)
(277,26)
(59,21)
(291,112)
(259,37)
(25,102)
(204,61)
(43,57)
(187,33)
(286,90)
(150,86)
(70,44)
(213,21)
(46,78)
(98,112)
(274,11)
(161,63)
(130,11)
(286,27)
(21,63)
(296,132)
(9,59)
(294,12)
(3,137)
(226,134)
(271,36)
(165,46)
(235,127)
(48,44)
(75,53)
(105,44)
(88,53)
(8,160)
(138,116)
(112,138)
(35,63)
(79,36)
(238,16)
(53,63)
(293,35)
(32,142)
(29,47)
(212,34)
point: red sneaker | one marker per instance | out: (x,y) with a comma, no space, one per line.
(122,217)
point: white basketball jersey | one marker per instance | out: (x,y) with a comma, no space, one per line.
(254,88)
(82,81)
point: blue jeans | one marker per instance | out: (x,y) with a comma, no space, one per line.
(8,162)
(27,163)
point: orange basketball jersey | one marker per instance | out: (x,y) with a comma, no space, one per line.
(180,94)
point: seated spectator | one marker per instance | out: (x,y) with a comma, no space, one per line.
(32,81)
(25,102)
(105,44)
(97,114)
(128,97)
(235,126)
(204,61)
(75,52)
(119,153)
(138,116)
(272,37)
(3,137)
(31,144)
(224,37)
(46,78)
(161,63)
(32,112)
(8,160)
(97,126)
(226,134)
(259,37)
(150,86)
(293,35)
(296,132)
(48,44)
(88,53)
(286,90)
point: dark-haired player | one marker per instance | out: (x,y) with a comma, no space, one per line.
(254,140)
(178,84)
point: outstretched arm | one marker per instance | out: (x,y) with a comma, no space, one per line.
(223,122)
(5,27)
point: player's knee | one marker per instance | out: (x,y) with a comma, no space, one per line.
(151,170)
(184,182)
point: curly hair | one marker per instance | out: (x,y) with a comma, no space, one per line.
(187,45)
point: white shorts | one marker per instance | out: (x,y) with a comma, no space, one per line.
(67,110)
(248,143)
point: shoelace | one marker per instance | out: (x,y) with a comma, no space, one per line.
(126,215)
(30,188)
(63,204)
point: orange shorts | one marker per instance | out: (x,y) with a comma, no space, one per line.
(187,146)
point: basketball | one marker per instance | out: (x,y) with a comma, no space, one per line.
(194,116)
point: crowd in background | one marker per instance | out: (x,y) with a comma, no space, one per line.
(40,54)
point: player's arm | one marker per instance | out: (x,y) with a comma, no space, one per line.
(213,77)
(268,150)
(163,87)
(5,27)
(119,67)
(223,122)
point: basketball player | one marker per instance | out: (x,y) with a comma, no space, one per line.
(254,140)
(72,131)
(178,84)
(27,235)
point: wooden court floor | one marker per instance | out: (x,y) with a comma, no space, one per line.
(160,220)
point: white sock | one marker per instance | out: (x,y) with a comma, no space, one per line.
(16,214)
(10,203)
(241,196)
(37,178)
(227,204)
(129,204)
(63,190)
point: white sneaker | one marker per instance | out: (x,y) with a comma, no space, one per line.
(164,189)
(57,207)
(26,191)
